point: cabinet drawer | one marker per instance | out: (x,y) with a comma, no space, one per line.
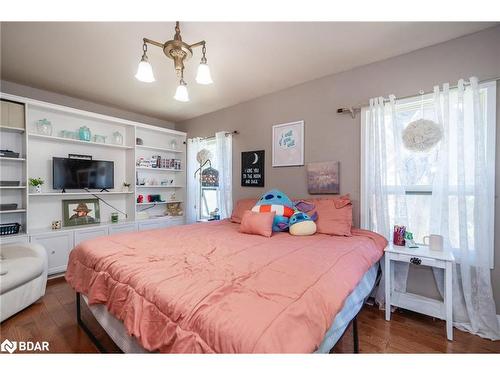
(149,225)
(122,228)
(413,259)
(87,234)
(57,246)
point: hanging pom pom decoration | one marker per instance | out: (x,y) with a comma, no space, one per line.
(203,155)
(421,135)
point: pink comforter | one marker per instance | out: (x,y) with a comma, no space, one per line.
(207,288)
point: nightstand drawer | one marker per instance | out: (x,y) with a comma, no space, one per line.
(418,260)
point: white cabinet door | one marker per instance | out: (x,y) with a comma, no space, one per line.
(147,225)
(177,221)
(122,228)
(58,245)
(13,239)
(89,233)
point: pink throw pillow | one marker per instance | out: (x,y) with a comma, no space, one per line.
(334,215)
(260,223)
(241,206)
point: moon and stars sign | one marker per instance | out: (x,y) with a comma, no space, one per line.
(252,168)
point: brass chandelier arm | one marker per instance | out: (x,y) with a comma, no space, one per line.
(161,45)
(153,42)
(199,44)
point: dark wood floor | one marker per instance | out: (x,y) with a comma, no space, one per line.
(52,319)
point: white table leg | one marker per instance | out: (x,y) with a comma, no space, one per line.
(448,300)
(387,287)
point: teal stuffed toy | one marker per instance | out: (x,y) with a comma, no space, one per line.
(302,224)
(288,215)
(278,202)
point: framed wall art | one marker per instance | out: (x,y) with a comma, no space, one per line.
(288,144)
(323,177)
(80,212)
(252,168)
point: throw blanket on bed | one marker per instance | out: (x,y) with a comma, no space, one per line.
(207,288)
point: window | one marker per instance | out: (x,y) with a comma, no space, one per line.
(410,176)
(208,195)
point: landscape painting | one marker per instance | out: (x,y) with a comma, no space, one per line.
(323,177)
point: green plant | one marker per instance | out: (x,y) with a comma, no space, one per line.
(36,181)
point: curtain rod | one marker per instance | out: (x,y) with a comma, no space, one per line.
(234,132)
(353,110)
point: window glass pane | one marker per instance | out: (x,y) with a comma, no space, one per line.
(419,213)
(208,201)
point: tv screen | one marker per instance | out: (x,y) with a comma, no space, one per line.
(80,174)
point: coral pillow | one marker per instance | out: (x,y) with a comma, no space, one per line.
(260,223)
(239,209)
(334,215)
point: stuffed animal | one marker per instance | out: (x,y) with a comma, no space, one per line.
(278,202)
(301,224)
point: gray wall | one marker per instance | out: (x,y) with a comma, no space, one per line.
(329,136)
(52,97)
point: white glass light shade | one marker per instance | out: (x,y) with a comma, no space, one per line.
(203,76)
(144,71)
(181,94)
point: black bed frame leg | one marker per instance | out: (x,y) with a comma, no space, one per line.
(355,338)
(89,333)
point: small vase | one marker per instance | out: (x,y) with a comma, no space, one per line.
(36,189)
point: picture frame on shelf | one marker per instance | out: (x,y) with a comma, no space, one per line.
(78,212)
(288,144)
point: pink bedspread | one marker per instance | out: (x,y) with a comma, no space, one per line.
(208,288)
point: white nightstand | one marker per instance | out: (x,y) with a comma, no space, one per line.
(428,306)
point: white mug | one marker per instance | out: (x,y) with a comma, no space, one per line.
(435,242)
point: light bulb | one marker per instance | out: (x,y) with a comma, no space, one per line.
(181,94)
(145,71)
(203,76)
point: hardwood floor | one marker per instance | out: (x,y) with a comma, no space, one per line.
(53,319)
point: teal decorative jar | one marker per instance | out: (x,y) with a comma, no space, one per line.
(84,134)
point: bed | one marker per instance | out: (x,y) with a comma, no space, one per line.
(207,288)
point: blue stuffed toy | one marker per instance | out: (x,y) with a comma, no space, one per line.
(278,202)
(301,224)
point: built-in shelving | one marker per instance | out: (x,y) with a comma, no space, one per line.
(12,159)
(17,211)
(80,193)
(11,129)
(159,148)
(38,210)
(77,141)
(154,203)
(160,169)
(159,186)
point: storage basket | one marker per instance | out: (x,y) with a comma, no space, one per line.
(9,228)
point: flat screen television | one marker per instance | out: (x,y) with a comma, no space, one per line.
(82,174)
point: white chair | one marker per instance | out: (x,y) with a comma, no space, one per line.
(23,276)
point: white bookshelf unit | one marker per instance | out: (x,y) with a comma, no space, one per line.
(36,211)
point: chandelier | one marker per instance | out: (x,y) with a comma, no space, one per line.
(178,51)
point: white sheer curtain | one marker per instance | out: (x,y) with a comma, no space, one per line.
(224,164)
(194,145)
(385,194)
(462,201)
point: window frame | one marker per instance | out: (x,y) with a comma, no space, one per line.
(491,109)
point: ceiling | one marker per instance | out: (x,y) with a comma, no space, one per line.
(97,61)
